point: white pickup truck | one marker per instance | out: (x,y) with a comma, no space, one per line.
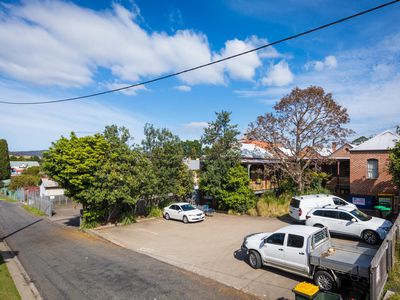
(308,251)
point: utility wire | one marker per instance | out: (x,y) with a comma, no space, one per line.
(207,64)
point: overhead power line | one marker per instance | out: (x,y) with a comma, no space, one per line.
(207,64)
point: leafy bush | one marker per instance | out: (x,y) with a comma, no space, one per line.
(127,218)
(318,180)
(155,212)
(271,206)
(22,181)
(236,193)
(252,212)
(31,171)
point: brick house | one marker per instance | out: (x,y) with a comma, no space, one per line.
(369,177)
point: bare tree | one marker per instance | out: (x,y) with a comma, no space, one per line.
(304,122)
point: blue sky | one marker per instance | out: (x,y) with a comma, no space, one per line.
(57,49)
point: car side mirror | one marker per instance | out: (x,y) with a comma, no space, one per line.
(353,220)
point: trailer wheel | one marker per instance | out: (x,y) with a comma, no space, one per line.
(325,281)
(255,259)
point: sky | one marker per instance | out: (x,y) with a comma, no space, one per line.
(58,49)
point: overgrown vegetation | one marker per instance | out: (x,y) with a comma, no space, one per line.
(8,290)
(393,283)
(108,175)
(33,210)
(5,170)
(394,164)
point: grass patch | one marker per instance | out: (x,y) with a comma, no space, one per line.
(34,210)
(7,199)
(271,206)
(8,290)
(155,212)
(393,283)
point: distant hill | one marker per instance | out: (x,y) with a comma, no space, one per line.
(28,153)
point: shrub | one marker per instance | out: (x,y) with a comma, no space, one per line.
(127,218)
(23,181)
(272,206)
(252,212)
(155,212)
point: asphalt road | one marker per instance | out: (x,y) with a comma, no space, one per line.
(69,264)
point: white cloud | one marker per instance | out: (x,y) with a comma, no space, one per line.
(278,75)
(133,91)
(68,45)
(196,125)
(329,63)
(366,82)
(183,88)
(34,127)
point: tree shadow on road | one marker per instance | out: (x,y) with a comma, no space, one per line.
(18,230)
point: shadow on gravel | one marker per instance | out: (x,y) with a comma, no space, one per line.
(12,233)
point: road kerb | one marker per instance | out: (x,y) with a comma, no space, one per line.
(26,288)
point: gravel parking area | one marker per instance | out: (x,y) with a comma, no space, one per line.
(211,249)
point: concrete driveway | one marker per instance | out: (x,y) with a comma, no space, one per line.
(211,249)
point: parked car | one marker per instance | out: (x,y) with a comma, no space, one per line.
(184,212)
(307,251)
(350,221)
(301,205)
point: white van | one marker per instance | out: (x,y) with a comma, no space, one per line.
(300,206)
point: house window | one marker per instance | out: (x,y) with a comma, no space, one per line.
(372,168)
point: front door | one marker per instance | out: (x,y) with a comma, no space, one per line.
(296,257)
(346,226)
(273,249)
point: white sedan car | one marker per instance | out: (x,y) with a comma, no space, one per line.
(349,221)
(184,212)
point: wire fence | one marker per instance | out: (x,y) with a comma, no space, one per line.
(383,262)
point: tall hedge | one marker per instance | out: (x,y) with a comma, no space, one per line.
(5,170)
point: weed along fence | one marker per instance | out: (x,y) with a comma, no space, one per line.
(44,204)
(383,262)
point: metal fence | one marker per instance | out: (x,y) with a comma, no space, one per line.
(383,262)
(17,195)
(45,204)
(60,200)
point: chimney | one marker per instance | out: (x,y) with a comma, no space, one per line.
(334,145)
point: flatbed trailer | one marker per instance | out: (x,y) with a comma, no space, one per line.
(351,260)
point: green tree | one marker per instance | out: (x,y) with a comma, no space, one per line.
(164,149)
(394,164)
(73,162)
(124,177)
(236,193)
(22,181)
(192,149)
(5,170)
(222,152)
(305,119)
(359,140)
(32,171)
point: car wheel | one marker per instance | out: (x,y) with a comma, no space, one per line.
(370,237)
(255,259)
(319,225)
(166,216)
(185,220)
(325,281)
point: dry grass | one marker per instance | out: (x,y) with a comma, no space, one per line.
(252,212)
(272,209)
(393,283)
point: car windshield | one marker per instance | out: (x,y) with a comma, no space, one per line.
(360,215)
(187,207)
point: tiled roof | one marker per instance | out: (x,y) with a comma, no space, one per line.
(383,141)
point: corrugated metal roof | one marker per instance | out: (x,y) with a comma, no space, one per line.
(383,141)
(47,183)
(253,151)
(23,164)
